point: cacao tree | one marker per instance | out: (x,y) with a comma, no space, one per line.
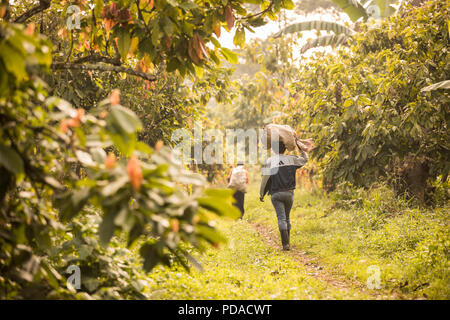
(366,108)
(76,179)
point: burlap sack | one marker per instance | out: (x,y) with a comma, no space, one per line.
(305,144)
(288,136)
(284,132)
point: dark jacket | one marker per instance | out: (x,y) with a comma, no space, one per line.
(278,173)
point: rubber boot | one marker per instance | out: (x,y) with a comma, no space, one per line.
(285,239)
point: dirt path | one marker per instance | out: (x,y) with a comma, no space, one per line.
(315,269)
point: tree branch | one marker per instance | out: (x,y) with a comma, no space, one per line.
(257,14)
(43,5)
(7,14)
(98,58)
(103,67)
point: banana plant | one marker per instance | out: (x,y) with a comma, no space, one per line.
(353,8)
(335,27)
(340,34)
(366,9)
(439,85)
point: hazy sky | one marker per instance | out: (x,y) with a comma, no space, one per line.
(272,27)
(226,38)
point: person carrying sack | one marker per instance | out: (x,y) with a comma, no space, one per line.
(238,180)
(278,180)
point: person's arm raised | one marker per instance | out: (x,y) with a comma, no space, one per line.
(302,159)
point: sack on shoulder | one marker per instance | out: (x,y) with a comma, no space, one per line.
(288,136)
(238,180)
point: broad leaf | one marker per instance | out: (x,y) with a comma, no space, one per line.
(123,42)
(352,8)
(337,28)
(330,40)
(440,85)
(11,160)
(125,119)
(229,55)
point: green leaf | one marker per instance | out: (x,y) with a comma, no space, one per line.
(352,8)
(194,262)
(113,187)
(385,7)
(257,21)
(107,227)
(210,234)
(90,283)
(173,3)
(156,34)
(125,119)
(220,204)
(229,55)
(11,160)
(216,43)
(53,182)
(173,65)
(322,41)
(188,5)
(123,42)
(135,232)
(288,4)
(448,27)
(98,155)
(219,193)
(153,254)
(143,147)
(121,217)
(337,28)
(168,26)
(84,251)
(70,203)
(99,4)
(124,143)
(13,61)
(239,37)
(439,85)
(3,79)
(52,275)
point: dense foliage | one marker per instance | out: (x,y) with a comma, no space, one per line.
(53,160)
(86,115)
(261,84)
(351,229)
(365,105)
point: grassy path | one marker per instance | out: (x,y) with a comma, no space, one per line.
(314,267)
(408,245)
(332,250)
(246,268)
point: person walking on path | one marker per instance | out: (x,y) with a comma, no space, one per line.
(278,180)
(238,180)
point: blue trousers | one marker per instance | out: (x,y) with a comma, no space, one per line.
(282,202)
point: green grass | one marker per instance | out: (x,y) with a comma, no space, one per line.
(410,246)
(245,268)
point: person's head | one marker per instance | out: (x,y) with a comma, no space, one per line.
(280,149)
(240,163)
